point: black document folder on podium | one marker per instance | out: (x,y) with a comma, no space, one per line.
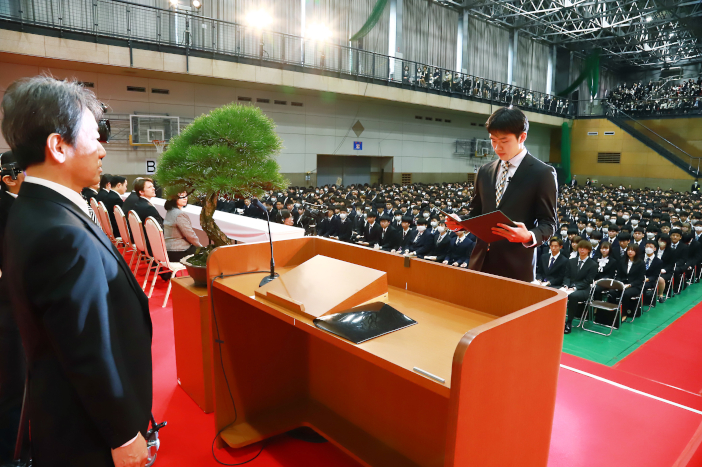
(481,226)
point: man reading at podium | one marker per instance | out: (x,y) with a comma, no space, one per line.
(524,189)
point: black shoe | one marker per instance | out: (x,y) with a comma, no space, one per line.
(661,299)
(567,329)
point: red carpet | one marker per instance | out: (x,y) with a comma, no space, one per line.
(674,356)
(596,424)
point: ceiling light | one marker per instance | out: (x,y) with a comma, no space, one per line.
(259,19)
(174,2)
(649,19)
(196,3)
(318,32)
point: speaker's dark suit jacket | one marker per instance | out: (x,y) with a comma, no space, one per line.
(530,198)
(86,328)
(12,367)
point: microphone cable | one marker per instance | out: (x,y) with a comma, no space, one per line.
(219,342)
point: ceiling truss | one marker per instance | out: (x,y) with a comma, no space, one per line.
(639,33)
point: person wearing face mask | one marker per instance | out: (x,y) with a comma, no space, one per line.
(344,226)
(433,226)
(372,231)
(680,256)
(653,265)
(397,223)
(329,226)
(698,231)
(390,238)
(442,244)
(651,232)
(461,248)
(423,241)
(552,265)
(579,276)
(595,240)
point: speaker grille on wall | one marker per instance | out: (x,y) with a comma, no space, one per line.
(406,179)
(609,157)
(471,178)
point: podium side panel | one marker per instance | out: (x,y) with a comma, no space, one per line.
(503,389)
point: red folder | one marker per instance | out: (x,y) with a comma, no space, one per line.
(481,226)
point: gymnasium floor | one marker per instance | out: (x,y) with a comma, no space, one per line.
(629,400)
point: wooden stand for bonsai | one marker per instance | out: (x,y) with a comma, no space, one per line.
(473,383)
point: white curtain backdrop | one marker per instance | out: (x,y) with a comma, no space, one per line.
(488,47)
(531,64)
(430,32)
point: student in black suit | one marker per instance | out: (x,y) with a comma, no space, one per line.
(665,254)
(423,241)
(344,226)
(653,265)
(113,199)
(632,273)
(250,210)
(442,244)
(579,276)
(522,187)
(390,238)
(133,197)
(619,251)
(461,248)
(90,192)
(303,219)
(552,265)
(12,364)
(680,255)
(372,231)
(607,266)
(83,317)
(105,187)
(407,234)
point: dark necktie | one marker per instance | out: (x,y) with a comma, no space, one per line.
(580,264)
(648,263)
(553,260)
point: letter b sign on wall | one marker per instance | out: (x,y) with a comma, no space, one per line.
(150,166)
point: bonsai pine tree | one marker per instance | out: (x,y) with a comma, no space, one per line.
(227,153)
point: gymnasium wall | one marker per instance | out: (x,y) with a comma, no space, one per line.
(685,133)
(322,126)
(640,166)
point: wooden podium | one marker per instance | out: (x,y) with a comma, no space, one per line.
(473,383)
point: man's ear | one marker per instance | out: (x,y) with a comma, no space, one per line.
(522,137)
(7,180)
(55,148)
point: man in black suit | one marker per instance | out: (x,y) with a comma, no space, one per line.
(132,198)
(12,364)
(423,241)
(442,244)
(579,276)
(83,318)
(407,234)
(372,232)
(143,207)
(113,199)
(105,187)
(461,248)
(90,192)
(344,226)
(524,189)
(552,265)
(390,238)
(680,254)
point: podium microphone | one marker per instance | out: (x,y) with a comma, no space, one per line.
(273,275)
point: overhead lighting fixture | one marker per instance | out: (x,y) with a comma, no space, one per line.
(196,3)
(318,32)
(259,19)
(649,19)
(173,2)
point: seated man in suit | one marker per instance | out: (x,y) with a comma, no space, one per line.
(344,226)
(680,255)
(372,231)
(579,276)
(423,242)
(133,197)
(407,234)
(460,250)
(442,244)
(143,207)
(83,317)
(552,265)
(105,187)
(114,198)
(390,238)
(250,210)
(653,265)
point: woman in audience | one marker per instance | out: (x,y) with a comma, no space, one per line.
(178,232)
(665,254)
(607,266)
(632,273)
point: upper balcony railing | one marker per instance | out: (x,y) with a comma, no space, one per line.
(186,32)
(644,108)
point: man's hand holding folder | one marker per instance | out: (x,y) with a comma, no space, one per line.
(488,227)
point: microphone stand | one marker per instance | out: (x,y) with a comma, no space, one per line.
(273,274)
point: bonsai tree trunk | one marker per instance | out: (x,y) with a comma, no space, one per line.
(208,224)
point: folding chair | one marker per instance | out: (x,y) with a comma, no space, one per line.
(140,242)
(154,233)
(129,246)
(655,293)
(639,303)
(582,318)
(606,285)
(107,227)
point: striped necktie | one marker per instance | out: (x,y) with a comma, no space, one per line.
(92,215)
(503,182)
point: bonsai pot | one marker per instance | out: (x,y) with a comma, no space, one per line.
(198,273)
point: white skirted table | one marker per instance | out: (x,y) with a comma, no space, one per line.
(240,228)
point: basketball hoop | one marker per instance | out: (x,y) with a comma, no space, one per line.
(160,145)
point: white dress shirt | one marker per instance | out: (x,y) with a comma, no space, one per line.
(64,191)
(514,164)
(11,194)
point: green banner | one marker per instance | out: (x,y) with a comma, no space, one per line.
(371,22)
(565,151)
(591,73)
